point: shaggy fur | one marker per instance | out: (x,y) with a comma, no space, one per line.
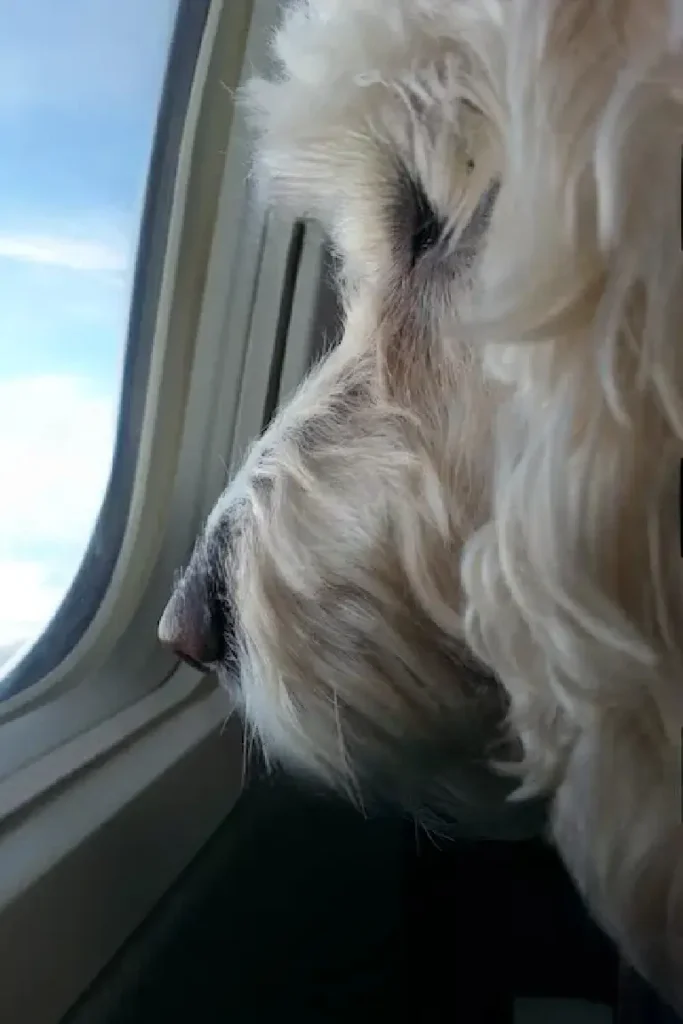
(458,545)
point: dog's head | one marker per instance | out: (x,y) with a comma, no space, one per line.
(327,579)
(487,463)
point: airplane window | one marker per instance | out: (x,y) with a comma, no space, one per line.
(83,122)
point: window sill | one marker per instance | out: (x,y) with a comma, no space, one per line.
(38,778)
(84,859)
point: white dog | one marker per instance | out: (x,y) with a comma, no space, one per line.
(458,546)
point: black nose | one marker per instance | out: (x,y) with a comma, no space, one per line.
(195,623)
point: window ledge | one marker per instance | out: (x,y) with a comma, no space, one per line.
(118,823)
(37,779)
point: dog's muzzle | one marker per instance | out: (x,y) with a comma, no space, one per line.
(195,624)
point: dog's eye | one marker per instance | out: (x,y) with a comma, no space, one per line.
(427,226)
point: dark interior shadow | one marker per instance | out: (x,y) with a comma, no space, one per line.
(300,909)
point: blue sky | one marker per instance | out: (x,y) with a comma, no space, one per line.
(79,88)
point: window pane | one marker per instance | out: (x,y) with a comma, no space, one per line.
(80,85)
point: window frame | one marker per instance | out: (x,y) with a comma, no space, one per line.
(209,150)
(205,265)
(118,766)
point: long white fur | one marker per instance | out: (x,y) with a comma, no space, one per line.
(496,463)
(574,586)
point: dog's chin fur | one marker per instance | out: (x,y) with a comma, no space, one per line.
(458,544)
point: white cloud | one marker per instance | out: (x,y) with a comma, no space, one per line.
(71,253)
(28,600)
(56,443)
